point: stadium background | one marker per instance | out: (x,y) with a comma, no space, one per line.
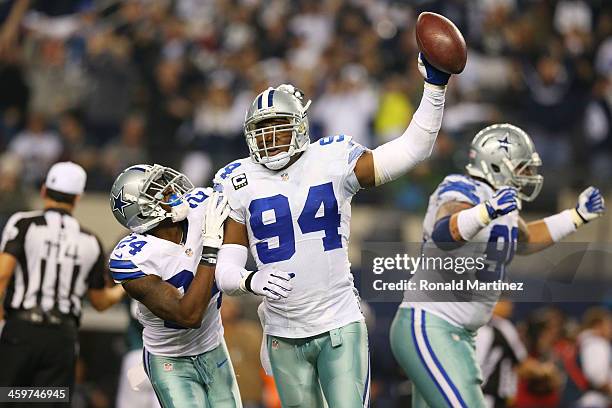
(108,84)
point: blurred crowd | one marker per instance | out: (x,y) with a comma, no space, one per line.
(112,83)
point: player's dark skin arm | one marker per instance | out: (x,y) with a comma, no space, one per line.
(364,170)
(235,233)
(166,302)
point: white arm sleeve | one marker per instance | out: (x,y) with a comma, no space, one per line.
(230,269)
(393,159)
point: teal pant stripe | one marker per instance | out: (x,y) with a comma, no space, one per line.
(437,362)
(439,358)
(431,375)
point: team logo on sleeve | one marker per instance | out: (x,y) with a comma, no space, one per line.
(239,181)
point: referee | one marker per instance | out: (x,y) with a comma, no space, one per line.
(48,262)
(499,351)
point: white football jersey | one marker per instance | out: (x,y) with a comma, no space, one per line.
(298,221)
(140,255)
(502,231)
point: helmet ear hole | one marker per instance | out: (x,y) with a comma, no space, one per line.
(495,168)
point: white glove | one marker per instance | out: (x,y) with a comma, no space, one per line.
(215,214)
(504,201)
(270,282)
(590,205)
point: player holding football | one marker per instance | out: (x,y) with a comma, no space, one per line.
(291,206)
(167,264)
(434,341)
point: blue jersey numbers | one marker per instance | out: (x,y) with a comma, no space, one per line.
(499,253)
(271,221)
(271,218)
(131,241)
(329,222)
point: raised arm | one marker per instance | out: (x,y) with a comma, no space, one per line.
(538,235)
(395,158)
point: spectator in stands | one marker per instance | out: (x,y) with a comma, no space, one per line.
(12,196)
(38,147)
(595,359)
(127,149)
(76,146)
(56,83)
(111,83)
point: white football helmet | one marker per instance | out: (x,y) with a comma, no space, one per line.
(138,193)
(504,155)
(284,102)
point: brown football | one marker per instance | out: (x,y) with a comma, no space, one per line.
(441,42)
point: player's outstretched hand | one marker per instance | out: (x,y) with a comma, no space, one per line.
(270,282)
(504,201)
(215,214)
(590,204)
(431,74)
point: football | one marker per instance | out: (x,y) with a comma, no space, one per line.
(441,42)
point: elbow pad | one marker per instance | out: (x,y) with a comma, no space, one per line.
(395,158)
(230,269)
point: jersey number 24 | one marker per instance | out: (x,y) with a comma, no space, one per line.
(280,226)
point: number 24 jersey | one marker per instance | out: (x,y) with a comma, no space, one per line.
(139,255)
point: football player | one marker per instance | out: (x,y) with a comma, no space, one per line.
(291,205)
(167,264)
(434,341)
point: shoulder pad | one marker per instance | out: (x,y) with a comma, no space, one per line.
(460,188)
(233,175)
(126,257)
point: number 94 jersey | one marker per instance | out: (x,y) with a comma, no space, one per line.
(139,255)
(297,220)
(496,243)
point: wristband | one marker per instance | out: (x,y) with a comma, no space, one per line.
(472,220)
(562,224)
(209,256)
(245,284)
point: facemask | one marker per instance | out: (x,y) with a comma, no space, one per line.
(278,164)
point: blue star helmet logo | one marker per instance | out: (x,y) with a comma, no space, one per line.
(118,203)
(504,143)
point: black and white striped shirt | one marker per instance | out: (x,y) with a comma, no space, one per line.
(57,261)
(499,350)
